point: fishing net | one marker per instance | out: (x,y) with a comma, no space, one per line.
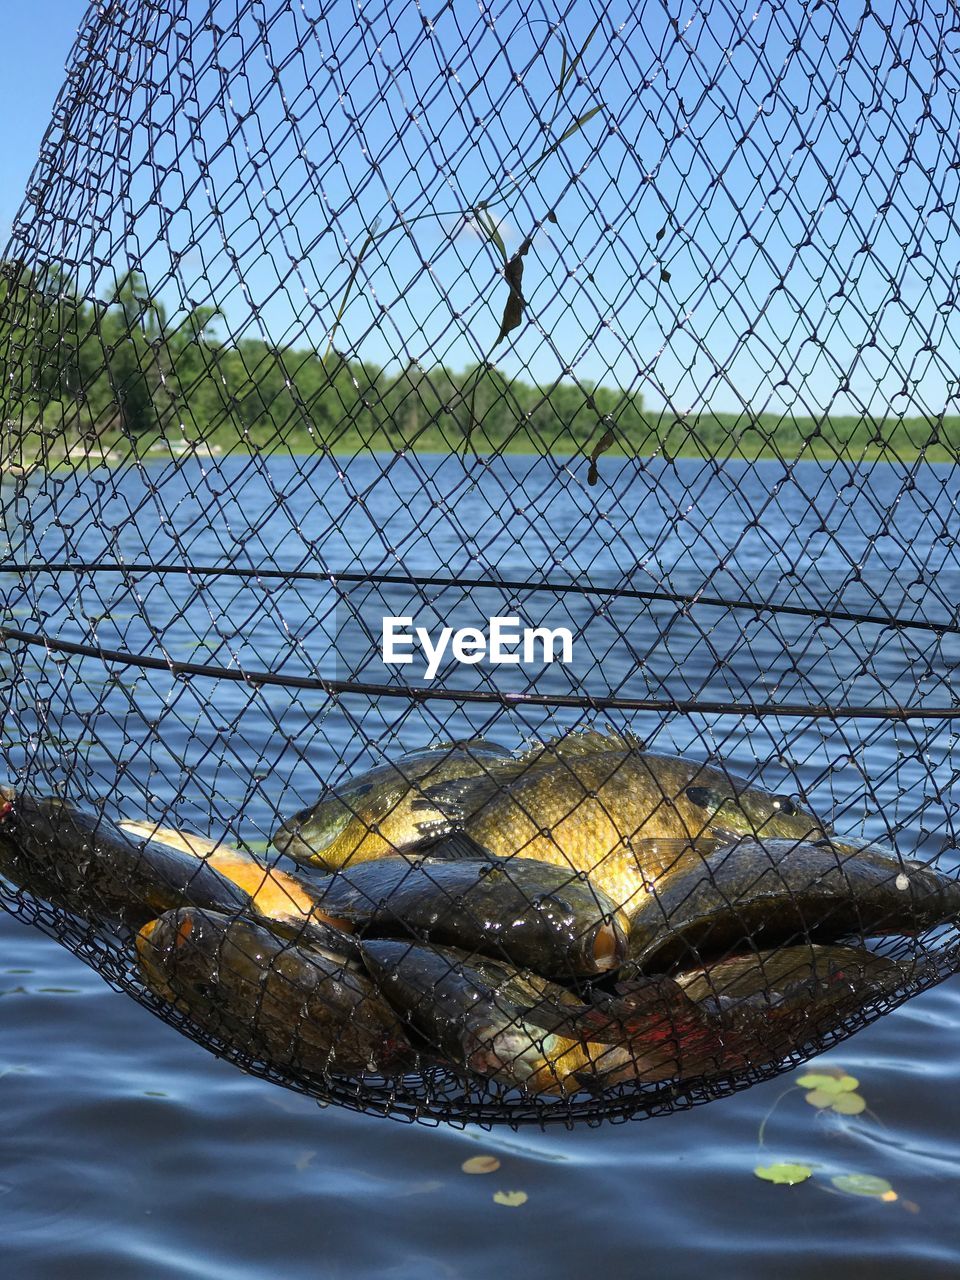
(629,324)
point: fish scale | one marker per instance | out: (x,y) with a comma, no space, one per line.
(624,817)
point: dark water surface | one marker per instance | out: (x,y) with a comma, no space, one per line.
(128,1151)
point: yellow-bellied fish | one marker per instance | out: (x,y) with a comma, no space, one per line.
(79,860)
(82,862)
(623,816)
(372,815)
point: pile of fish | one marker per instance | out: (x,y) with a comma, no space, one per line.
(580,916)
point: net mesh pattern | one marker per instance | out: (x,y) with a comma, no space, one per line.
(634,321)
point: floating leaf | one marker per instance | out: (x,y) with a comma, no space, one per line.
(849,1104)
(820,1098)
(574,128)
(510,1198)
(847,1084)
(577,125)
(481,1164)
(835,1084)
(787,1175)
(563,73)
(814,1080)
(862,1184)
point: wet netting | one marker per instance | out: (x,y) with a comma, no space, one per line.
(480,538)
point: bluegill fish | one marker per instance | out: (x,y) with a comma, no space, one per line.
(760,1008)
(373,816)
(303,1008)
(623,816)
(531,914)
(496,1021)
(82,862)
(291,904)
(761,892)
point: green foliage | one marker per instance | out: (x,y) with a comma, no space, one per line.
(76,372)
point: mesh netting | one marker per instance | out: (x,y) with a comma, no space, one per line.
(628,325)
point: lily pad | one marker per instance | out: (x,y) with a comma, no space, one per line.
(849,1104)
(510,1198)
(816,1080)
(862,1184)
(820,1098)
(481,1164)
(787,1175)
(824,1083)
(847,1084)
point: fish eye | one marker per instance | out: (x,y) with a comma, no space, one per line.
(702,797)
(698,796)
(784,805)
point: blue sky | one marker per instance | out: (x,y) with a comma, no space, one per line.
(37,37)
(762,213)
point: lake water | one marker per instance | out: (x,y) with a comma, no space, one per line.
(128,1150)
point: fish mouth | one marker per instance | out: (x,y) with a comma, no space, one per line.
(608,947)
(512,1054)
(297,831)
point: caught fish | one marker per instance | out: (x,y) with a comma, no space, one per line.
(185,841)
(765,1006)
(89,866)
(288,903)
(510,1025)
(532,914)
(372,816)
(83,863)
(290,1006)
(802,980)
(621,815)
(782,891)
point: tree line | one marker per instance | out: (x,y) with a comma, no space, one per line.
(75,370)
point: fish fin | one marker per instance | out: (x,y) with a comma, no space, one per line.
(460,798)
(480,743)
(580,742)
(721,838)
(457,846)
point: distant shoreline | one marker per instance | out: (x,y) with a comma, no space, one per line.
(32,451)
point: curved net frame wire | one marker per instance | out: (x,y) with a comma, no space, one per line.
(628,322)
